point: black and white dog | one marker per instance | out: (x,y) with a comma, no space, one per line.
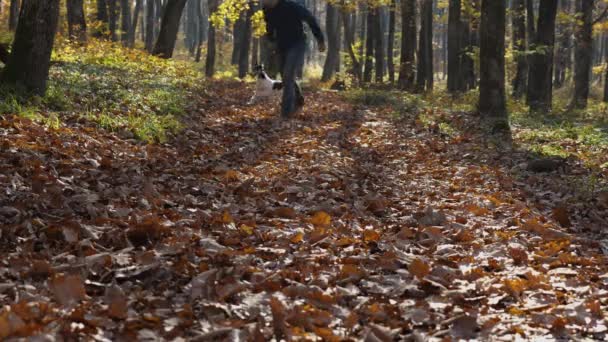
(265,87)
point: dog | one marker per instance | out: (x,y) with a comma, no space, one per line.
(265,87)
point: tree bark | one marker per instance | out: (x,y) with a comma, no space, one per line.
(237,39)
(13,18)
(455,75)
(133,28)
(210,59)
(408,45)
(30,60)
(165,44)
(540,85)
(390,45)
(425,74)
(202,28)
(518,19)
(369,44)
(378,48)
(333,48)
(77,25)
(583,50)
(125,27)
(245,43)
(563,53)
(492,101)
(113,15)
(349,38)
(150,25)
(102,17)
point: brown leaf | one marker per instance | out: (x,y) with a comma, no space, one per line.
(117,302)
(419,268)
(68,289)
(560,214)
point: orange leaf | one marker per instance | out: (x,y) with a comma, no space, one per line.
(226,217)
(419,268)
(297,237)
(321,219)
(371,235)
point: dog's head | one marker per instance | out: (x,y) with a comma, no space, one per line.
(258,71)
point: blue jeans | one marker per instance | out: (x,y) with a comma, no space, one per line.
(292,60)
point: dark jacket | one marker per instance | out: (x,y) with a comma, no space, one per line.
(284,23)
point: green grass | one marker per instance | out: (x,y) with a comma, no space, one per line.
(113,87)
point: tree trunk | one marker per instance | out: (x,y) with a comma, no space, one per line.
(210,59)
(202,28)
(349,38)
(408,45)
(168,29)
(245,43)
(518,18)
(13,15)
(563,44)
(492,101)
(77,25)
(540,75)
(30,60)
(390,46)
(149,25)
(379,43)
(425,75)
(191,29)
(455,79)
(113,15)
(102,17)
(237,32)
(369,45)
(583,52)
(125,7)
(333,48)
(133,28)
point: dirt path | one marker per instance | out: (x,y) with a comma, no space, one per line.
(345,225)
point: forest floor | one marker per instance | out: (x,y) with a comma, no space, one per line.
(348,223)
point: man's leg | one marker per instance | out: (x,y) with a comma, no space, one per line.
(292,60)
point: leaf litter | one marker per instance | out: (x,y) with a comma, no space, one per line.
(344,225)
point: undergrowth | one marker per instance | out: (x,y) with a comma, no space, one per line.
(113,87)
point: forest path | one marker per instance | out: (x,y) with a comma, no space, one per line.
(344,223)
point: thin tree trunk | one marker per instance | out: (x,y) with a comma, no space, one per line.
(30,60)
(245,44)
(333,48)
(408,45)
(165,44)
(583,52)
(201,29)
(492,101)
(425,75)
(369,45)
(102,17)
(150,25)
(237,39)
(454,47)
(77,25)
(540,85)
(133,28)
(113,15)
(379,44)
(210,59)
(391,42)
(518,19)
(13,15)
(349,38)
(125,7)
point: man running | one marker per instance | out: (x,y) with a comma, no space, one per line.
(284,24)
